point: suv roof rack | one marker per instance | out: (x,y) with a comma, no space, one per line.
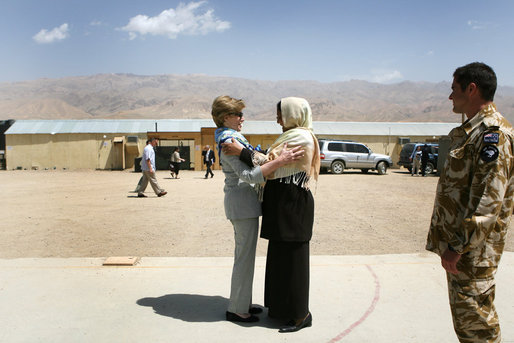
(335,140)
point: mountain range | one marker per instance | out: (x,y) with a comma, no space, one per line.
(128,96)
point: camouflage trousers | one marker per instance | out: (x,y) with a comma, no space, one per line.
(471,295)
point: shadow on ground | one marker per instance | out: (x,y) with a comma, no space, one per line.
(199,308)
(188,307)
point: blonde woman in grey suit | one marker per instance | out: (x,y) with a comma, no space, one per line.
(242,206)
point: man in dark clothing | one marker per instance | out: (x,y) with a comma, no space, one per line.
(424,158)
(208,159)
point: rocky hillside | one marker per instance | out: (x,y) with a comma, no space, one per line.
(190,96)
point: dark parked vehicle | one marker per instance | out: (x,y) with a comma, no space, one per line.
(406,156)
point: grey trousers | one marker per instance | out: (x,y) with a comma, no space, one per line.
(147,176)
(245,234)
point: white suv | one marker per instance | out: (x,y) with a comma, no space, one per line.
(340,155)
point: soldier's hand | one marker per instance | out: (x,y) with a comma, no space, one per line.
(449,261)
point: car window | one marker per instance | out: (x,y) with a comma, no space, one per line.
(335,146)
(361,149)
(407,149)
(358,148)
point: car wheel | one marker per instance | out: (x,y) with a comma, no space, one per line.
(382,168)
(409,169)
(337,167)
(429,169)
(364,171)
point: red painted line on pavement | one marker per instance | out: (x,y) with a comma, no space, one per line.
(370,309)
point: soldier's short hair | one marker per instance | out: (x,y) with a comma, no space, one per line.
(480,74)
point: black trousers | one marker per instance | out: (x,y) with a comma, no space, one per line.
(423,166)
(177,167)
(209,171)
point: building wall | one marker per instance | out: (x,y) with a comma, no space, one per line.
(192,139)
(94,151)
(198,140)
(67,151)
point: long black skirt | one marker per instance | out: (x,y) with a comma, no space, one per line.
(286,290)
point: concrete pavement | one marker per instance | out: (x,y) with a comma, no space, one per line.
(385,298)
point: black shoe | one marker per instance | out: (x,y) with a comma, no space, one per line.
(292,325)
(232,317)
(141,195)
(255,310)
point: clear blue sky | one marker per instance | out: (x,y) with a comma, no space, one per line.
(334,40)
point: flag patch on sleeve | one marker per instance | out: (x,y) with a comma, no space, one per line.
(492,137)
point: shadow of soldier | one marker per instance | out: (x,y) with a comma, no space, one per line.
(188,307)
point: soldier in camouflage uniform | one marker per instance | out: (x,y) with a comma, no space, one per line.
(473,204)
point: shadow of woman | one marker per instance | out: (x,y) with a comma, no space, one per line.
(197,308)
(188,307)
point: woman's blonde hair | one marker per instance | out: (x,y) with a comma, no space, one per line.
(225,105)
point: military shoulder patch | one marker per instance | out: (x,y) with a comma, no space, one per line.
(491,137)
(489,153)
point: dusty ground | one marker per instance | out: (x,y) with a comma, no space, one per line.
(96,214)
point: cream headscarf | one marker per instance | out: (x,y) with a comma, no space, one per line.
(297,120)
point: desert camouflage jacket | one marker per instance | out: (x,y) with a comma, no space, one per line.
(474,198)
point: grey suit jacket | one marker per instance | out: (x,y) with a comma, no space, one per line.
(241,201)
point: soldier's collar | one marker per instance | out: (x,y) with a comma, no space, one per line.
(471,124)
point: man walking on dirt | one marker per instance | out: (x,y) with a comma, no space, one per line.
(148,168)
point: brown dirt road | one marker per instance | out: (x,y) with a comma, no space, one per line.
(95,214)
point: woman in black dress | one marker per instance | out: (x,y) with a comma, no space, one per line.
(287,218)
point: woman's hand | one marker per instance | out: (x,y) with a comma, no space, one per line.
(290,155)
(231,147)
(286,156)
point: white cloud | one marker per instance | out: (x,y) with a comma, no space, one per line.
(386,76)
(376,76)
(56,34)
(96,23)
(172,22)
(476,25)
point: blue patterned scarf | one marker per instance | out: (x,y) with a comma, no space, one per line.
(222,134)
